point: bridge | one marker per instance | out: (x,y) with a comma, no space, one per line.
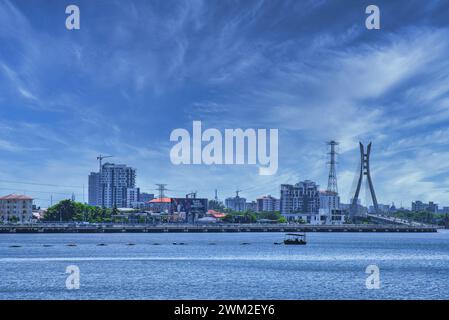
(397,221)
(197,228)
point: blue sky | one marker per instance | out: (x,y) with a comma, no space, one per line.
(136,70)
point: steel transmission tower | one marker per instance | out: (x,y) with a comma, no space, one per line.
(161,188)
(332,181)
(364,171)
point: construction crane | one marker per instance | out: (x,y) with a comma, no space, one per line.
(192,194)
(101,157)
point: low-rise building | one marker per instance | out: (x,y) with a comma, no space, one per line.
(419,206)
(330,212)
(132,197)
(251,206)
(184,209)
(16,208)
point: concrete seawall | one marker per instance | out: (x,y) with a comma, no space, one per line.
(43,228)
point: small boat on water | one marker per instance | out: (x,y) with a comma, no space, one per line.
(71,245)
(130,244)
(244,243)
(101,244)
(15,246)
(295,238)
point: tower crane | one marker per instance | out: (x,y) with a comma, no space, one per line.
(101,157)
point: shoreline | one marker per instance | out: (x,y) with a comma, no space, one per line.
(211,228)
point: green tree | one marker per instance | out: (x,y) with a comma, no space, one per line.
(216,205)
(68,210)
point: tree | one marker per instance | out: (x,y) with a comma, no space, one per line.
(68,210)
(13,219)
(216,205)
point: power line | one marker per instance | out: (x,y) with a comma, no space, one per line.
(40,184)
(35,191)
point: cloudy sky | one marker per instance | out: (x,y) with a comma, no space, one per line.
(136,70)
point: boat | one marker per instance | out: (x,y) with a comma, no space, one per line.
(296,238)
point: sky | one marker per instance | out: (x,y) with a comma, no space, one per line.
(137,70)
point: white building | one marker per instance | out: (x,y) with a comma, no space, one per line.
(268,204)
(16,208)
(330,211)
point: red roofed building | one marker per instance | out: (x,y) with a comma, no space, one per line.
(16,208)
(216,214)
(160,205)
(160,200)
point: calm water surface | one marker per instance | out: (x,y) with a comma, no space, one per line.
(218,266)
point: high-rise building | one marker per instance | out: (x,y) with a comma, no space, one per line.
(236,203)
(16,208)
(94,189)
(109,187)
(268,204)
(300,201)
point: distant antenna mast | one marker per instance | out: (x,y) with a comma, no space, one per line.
(332,181)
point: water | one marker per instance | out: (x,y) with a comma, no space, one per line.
(330,266)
